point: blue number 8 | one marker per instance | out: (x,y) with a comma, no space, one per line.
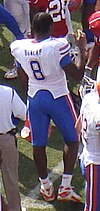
(37,70)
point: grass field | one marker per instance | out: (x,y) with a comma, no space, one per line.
(28,178)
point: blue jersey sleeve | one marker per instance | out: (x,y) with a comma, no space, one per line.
(65,60)
(9,21)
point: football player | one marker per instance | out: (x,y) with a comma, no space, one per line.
(47,64)
(62,25)
(88,125)
(59,12)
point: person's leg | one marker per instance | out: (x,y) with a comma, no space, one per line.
(20,10)
(92,195)
(39,120)
(65,191)
(11,6)
(40,159)
(69,156)
(65,118)
(9,169)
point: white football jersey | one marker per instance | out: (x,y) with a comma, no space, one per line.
(41,62)
(90,112)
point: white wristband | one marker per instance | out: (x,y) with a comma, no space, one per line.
(88,68)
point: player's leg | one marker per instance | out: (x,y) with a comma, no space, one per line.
(64,116)
(20,10)
(11,6)
(39,121)
(9,169)
(92,197)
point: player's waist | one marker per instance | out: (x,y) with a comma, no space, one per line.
(56,93)
(57,87)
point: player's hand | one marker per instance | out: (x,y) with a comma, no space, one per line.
(81,40)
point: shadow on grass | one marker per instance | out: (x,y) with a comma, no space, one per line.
(68,206)
(27,174)
(28,180)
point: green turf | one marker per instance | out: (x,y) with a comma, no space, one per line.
(28,178)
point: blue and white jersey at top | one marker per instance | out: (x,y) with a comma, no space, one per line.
(43,64)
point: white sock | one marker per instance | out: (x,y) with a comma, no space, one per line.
(66,180)
(45,183)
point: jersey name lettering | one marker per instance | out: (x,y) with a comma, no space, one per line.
(32,53)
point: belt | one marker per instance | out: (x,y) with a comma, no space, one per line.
(12,132)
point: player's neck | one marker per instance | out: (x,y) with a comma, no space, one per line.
(40,38)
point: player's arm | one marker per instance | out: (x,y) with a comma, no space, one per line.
(23,78)
(93,57)
(68,20)
(76,72)
(72,71)
(9,21)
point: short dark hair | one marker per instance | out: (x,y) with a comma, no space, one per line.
(41,23)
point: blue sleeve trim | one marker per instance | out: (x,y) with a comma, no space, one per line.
(65,60)
(18,65)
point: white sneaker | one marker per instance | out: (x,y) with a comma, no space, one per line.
(11,74)
(48,194)
(67,194)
